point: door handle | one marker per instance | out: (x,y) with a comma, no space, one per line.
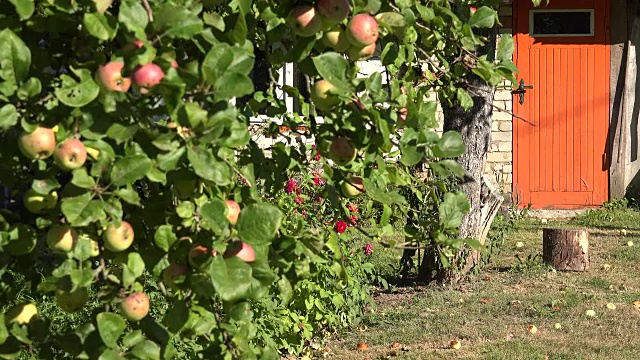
(521,90)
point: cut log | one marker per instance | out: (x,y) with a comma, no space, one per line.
(566,249)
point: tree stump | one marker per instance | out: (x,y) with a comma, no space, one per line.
(566,249)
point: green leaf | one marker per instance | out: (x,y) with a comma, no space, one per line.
(505,47)
(110,354)
(81,278)
(132,338)
(30,88)
(82,180)
(207,167)
(231,278)
(129,195)
(186,209)
(452,209)
(450,145)
(82,210)
(110,328)
(164,237)
(484,17)
(214,20)
(133,269)
(83,248)
(226,68)
(464,99)
(24,8)
(213,214)
(103,27)
(4,334)
(8,116)
(45,186)
(15,60)
(134,17)
(121,133)
(333,68)
(391,19)
(258,223)
(129,169)
(170,160)
(177,21)
(177,316)
(77,94)
(146,350)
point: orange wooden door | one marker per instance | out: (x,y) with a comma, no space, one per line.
(562,50)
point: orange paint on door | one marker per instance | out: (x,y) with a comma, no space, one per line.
(558,163)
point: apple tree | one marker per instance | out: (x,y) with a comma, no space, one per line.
(136,200)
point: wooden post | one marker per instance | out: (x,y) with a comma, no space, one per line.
(566,249)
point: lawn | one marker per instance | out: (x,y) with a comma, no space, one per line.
(490,314)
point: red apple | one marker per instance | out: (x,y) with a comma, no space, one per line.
(362,30)
(39,144)
(305,21)
(240,249)
(200,255)
(174,64)
(342,151)
(138,43)
(70,155)
(336,39)
(333,11)
(175,275)
(147,76)
(135,306)
(233,211)
(119,238)
(109,76)
(361,53)
(321,96)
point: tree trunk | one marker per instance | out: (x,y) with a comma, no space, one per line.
(475,127)
(566,249)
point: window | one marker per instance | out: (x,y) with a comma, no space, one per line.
(561,23)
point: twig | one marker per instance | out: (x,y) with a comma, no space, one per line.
(512,114)
(147,7)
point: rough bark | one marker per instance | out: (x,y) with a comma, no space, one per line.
(475,127)
(566,249)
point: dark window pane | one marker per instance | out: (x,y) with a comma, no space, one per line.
(557,23)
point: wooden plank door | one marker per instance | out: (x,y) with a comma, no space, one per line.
(562,50)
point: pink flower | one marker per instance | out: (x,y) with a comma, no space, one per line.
(340,226)
(368,249)
(299,200)
(352,207)
(317,156)
(319,199)
(353,219)
(317,181)
(291,186)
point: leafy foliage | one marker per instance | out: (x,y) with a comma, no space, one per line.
(153,181)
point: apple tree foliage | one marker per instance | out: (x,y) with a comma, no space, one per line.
(125,131)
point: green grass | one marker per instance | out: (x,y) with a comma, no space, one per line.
(491,312)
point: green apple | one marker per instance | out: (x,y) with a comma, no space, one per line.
(352,187)
(71,301)
(21,314)
(61,238)
(38,203)
(118,238)
(322,97)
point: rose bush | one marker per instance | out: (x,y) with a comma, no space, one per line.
(128,122)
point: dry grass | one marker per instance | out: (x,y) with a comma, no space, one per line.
(490,313)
